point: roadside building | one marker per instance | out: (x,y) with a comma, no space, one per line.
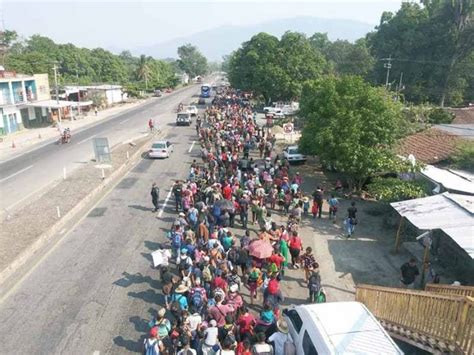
(106,95)
(17,91)
(183,78)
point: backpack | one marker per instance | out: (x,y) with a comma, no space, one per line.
(233,256)
(176,240)
(289,347)
(196,299)
(321,297)
(206,274)
(183,264)
(150,349)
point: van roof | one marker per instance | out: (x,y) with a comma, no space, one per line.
(349,327)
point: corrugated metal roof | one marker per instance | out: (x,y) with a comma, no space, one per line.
(465,130)
(451,181)
(452,213)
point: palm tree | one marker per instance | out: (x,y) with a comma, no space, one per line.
(144,70)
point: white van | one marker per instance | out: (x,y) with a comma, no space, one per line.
(337,328)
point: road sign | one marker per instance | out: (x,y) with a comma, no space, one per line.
(288,128)
(102,150)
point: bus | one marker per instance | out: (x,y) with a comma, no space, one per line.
(205,91)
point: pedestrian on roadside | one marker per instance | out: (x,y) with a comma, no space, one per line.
(318,196)
(408,272)
(155,196)
(351,220)
(309,263)
(178,194)
(314,285)
(296,245)
(333,205)
(95,110)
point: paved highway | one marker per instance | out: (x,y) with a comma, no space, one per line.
(94,290)
(25,175)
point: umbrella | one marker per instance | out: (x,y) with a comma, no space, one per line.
(260,249)
(225,205)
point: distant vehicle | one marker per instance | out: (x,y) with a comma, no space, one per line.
(193,110)
(337,328)
(184,119)
(160,149)
(292,154)
(201,101)
(158,93)
(205,91)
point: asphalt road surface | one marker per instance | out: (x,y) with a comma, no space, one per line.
(27,174)
(94,291)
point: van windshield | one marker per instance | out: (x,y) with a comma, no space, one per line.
(293,151)
(183,115)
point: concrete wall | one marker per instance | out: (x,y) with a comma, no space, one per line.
(42,87)
(113,96)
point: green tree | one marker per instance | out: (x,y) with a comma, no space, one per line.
(275,69)
(191,60)
(350,125)
(143,69)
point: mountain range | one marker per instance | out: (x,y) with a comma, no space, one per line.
(219,41)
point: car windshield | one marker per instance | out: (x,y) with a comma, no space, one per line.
(293,151)
(159,145)
(183,115)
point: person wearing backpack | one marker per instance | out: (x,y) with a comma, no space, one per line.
(261,347)
(198,296)
(314,285)
(152,345)
(281,339)
(176,241)
(178,296)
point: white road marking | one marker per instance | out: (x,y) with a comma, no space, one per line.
(85,140)
(165,203)
(15,174)
(97,352)
(128,119)
(192,145)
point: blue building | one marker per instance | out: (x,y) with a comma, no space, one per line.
(16,92)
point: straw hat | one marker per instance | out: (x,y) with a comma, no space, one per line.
(282,326)
(181,289)
(161,313)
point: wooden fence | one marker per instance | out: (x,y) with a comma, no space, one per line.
(445,318)
(451,290)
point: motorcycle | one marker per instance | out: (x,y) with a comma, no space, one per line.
(65,137)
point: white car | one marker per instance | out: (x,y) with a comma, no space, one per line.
(193,110)
(292,154)
(160,149)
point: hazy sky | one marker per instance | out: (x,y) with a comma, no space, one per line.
(129,24)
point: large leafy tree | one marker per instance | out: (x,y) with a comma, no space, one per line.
(431,45)
(191,60)
(144,69)
(273,68)
(350,125)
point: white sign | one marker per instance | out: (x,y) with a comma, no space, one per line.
(160,257)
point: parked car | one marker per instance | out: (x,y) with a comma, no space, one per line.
(158,93)
(337,328)
(160,149)
(184,119)
(292,154)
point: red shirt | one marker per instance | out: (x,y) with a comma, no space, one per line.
(277,259)
(227,192)
(246,322)
(219,282)
(295,243)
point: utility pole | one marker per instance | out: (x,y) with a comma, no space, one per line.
(400,87)
(56,89)
(388,66)
(78,93)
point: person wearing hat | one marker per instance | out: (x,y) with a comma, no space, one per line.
(152,345)
(162,324)
(179,296)
(233,298)
(280,337)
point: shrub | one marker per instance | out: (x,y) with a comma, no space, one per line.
(463,158)
(394,189)
(438,115)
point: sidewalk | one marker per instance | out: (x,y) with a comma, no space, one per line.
(28,138)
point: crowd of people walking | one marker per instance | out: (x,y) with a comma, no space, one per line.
(240,184)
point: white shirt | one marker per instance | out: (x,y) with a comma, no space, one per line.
(279,340)
(184,351)
(211,336)
(194,320)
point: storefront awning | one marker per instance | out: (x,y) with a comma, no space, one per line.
(50,104)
